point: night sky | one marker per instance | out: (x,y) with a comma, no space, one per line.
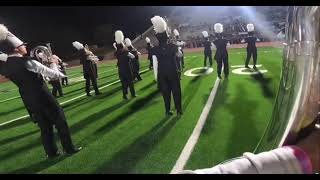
(62,25)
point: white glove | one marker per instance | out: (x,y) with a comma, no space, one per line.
(130,55)
(243,41)
(37,67)
(3,57)
(179,53)
(138,53)
(258,40)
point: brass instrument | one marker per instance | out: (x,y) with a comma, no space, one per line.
(43,54)
(297,102)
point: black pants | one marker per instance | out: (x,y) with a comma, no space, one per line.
(56,87)
(136,69)
(94,84)
(170,84)
(64,81)
(224,61)
(46,121)
(151,62)
(182,59)
(251,52)
(207,55)
(127,82)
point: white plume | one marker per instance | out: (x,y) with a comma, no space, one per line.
(250,27)
(218,28)
(176,32)
(3,32)
(205,34)
(148,40)
(127,41)
(77,45)
(119,37)
(159,24)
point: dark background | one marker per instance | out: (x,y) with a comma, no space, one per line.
(61,25)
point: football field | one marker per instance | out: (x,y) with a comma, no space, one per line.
(134,136)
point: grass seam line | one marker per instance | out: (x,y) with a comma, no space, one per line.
(22,117)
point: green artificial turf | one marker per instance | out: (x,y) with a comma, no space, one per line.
(240,112)
(134,136)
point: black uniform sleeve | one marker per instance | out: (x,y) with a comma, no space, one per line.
(246,40)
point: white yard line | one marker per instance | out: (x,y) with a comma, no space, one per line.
(193,139)
(22,117)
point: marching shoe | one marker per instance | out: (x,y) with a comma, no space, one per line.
(254,67)
(73,151)
(52,156)
(169,113)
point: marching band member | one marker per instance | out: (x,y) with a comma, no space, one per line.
(55,82)
(62,66)
(207,48)
(167,71)
(251,46)
(149,49)
(89,67)
(43,108)
(221,55)
(180,45)
(124,67)
(135,60)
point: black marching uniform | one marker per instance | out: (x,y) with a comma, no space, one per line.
(207,52)
(89,72)
(149,49)
(251,50)
(135,63)
(64,80)
(168,75)
(221,55)
(125,72)
(56,87)
(40,103)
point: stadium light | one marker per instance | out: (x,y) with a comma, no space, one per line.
(260,21)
